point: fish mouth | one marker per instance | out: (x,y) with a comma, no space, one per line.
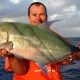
(7,45)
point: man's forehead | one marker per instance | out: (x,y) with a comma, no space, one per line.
(36,6)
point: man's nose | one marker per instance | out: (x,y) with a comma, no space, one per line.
(38,17)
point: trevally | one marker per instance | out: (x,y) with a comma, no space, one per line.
(38,44)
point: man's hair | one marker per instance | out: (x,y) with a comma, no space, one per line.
(37,4)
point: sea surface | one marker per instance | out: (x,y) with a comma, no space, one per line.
(69,72)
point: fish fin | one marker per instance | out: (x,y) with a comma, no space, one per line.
(43,68)
(47,24)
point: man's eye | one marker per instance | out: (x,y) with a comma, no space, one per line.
(34,14)
(42,14)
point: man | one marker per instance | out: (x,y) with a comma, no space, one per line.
(29,70)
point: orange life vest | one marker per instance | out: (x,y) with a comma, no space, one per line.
(35,72)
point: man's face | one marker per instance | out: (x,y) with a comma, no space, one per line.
(37,15)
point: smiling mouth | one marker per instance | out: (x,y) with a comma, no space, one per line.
(38,22)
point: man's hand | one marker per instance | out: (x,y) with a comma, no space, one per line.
(73,56)
(76,55)
(5,48)
(78,45)
(3,52)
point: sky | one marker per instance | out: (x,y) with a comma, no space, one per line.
(68,11)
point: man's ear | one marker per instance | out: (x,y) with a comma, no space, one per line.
(46,17)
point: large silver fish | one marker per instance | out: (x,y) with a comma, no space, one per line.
(34,43)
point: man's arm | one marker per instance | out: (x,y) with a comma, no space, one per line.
(18,66)
(70,58)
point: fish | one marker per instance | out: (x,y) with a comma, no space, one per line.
(36,43)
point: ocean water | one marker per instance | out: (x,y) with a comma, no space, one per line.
(69,72)
(4,75)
